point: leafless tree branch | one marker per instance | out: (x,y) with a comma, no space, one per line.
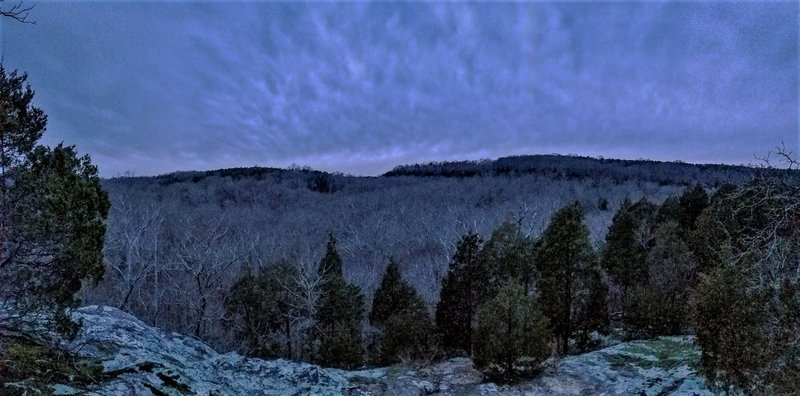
(18,12)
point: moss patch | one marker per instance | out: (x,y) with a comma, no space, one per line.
(663,353)
(27,367)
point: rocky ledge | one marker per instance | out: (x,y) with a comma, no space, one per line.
(141,360)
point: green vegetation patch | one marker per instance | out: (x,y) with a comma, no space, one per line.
(27,367)
(663,353)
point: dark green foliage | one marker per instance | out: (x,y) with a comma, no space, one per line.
(340,311)
(592,312)
(748,320)
(670,210)
(393,296)
(692,203)
(728,327)
(260,310)
(506,255)
(52,212)
(340,346)
(34,368)
(564,252)
(339,317)
(624,254)
(331,264)
(408,335)
(400,314)
(512,336)
(458,300)
(661,306)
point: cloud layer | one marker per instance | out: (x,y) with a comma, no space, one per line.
(359,88)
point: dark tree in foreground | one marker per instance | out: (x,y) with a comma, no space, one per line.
(564,252)
(393,295)
(260,310)
(340,311)
(624,255)
(406,327)
(52,212)
(661,305)
(748,306)
(512,337)
(591,312)
(458,300)
(506,255)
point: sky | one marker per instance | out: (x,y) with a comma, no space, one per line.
(156,87)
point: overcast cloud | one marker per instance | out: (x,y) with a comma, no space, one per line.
(359,88)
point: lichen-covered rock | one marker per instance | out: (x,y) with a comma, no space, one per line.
(141,360)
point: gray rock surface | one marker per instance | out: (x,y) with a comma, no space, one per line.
(141,360)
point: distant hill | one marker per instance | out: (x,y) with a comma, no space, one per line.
(575,167)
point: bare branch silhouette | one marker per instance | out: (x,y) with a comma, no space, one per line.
(18,12)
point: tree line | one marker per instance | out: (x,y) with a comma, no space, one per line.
(695,264)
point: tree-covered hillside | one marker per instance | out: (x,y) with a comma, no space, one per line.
(177,242)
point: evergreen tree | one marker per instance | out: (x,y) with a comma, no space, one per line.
(623,256)
(692,203)
(52,212)
(393,296)
(339,314)
(728,324)
(661,305)
(507,255)
(670,210)
(406,335)
(592,310)
(748,305)
(564,251)
(711,240)
(404,321)
(512,336)
(461,288)
(331,265)
(260,310)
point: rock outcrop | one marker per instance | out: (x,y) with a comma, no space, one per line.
(141,360)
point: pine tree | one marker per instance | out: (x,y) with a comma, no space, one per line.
(564,251)
(340,311)
(728,325)
(401,315)
(512,336)
(461,289)
(627,241)
(339,317)
(692,203)
(52,212)
(393,296)
(592,310)
(331,264)
(661,305)
(507,255)
(670,210)
(711,240)
(623,257)
(260,310)
(406,335)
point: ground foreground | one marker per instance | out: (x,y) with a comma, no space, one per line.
(137,359)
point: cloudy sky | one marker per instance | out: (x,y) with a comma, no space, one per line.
(359,87)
